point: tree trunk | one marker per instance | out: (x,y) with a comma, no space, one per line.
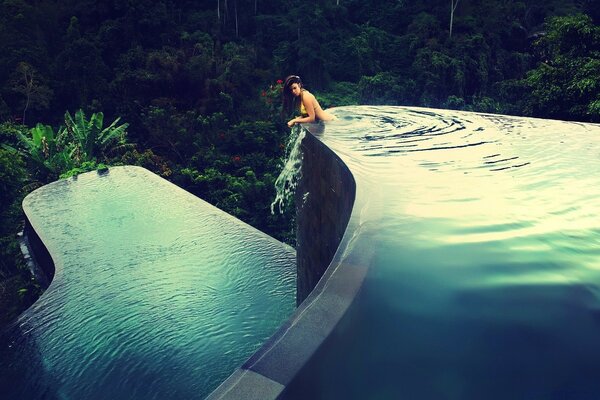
(237,28)
(453,5)
(25,109)
(28,79)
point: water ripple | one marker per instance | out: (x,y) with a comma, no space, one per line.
(486,275)
(157,294)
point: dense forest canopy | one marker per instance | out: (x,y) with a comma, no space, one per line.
(210,56)
(189,89)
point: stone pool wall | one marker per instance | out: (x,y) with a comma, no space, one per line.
(322,218)
(324,200)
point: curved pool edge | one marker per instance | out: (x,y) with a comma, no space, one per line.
(327,281)
(35,253)
(38,260)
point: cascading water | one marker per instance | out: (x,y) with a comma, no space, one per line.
(287,180)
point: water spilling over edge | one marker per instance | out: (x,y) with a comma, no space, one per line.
(288,179)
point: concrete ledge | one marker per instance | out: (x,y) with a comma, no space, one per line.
(327,283)
(245,384)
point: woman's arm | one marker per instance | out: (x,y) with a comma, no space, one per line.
(308,99)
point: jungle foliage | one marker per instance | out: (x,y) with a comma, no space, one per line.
(195,83)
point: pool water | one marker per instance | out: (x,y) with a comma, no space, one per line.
(156,295)
(484,267)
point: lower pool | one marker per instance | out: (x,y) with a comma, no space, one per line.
(156,294)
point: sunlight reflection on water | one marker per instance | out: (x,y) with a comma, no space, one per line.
(486,270)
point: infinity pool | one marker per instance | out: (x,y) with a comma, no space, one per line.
(483,244)
(156,295)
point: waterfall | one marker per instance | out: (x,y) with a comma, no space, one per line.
(286,182)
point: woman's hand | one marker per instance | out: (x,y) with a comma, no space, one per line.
(292,122)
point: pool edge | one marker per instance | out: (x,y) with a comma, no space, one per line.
(326,285)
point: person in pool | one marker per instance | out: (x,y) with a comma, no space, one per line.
(295,97)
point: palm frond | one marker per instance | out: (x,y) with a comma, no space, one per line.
(94,133)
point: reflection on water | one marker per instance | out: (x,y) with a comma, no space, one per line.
(157,294)
(485,278)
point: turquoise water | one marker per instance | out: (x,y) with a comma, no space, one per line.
(156,295)
(483,240)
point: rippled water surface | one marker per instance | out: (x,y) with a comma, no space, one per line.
(484,240)
(157,294)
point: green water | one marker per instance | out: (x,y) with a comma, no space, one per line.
(483,244)
(156,295)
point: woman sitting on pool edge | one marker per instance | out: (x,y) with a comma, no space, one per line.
(295,97)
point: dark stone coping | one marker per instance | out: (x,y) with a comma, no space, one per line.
(327,282)
(36,255)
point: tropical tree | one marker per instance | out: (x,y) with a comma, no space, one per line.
(12,179)
(74,148)
(79,68)
(48,152)
(90,139)
(566,84)
(27,82)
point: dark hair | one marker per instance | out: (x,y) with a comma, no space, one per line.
(290,102)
